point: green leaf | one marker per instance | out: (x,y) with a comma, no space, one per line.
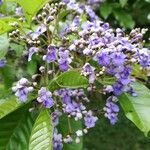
(10,104)
(124,18)
(42,132)
(32,67)
(123,2)
(30,7)
(107,80)
(8,74)
(137,109)
(69,79)
(18,48)
(4,44)
(69,125)
(15,130)
(106,10)
(138,73)
(5,24)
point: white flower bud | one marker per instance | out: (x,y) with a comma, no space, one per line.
(79,133)
(85,131)
(77,140)
(42,68)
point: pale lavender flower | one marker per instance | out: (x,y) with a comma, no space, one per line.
(40,30)
(2,63)
(51,55)
(64,60)
(19,11)
(88,70)
(32,50)
(57,140)
(45,97)
(111,110)
(90,120)
(22,89)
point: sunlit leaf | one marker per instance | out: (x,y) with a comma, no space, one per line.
(30,7)
(5,24)
(10,104)
(69,79)
(137,109)
(42,132)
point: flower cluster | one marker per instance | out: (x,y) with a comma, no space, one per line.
(45,97)
(22,89)
(89,45)
(111,110)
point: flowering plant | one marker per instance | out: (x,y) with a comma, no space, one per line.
(68,57)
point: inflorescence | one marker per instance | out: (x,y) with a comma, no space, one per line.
(81,41)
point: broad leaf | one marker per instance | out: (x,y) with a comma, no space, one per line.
(106,10)
(8,75)
(5,24)
(4,44)
(15,130)
(69,79)
(30,7)
(124,18)
(137,109)
(10,104)
(42,132)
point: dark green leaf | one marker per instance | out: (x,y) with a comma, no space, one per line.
(106,10)
(69,79)
(8,74)
(137,109)
(124,18)
(15,130)
(42,132)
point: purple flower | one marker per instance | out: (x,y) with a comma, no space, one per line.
(92,2)
(88,70)
(32,50)
(103,58)
(55,117)
(2,63)
(111,110)
(118,58)
(64,60)
(45,97)
(1,2)
(22,89)
(123,77)
(51,55)
(40,30)
(144,57)
(57,140)
(19,11)
(90,120)
(118,88)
